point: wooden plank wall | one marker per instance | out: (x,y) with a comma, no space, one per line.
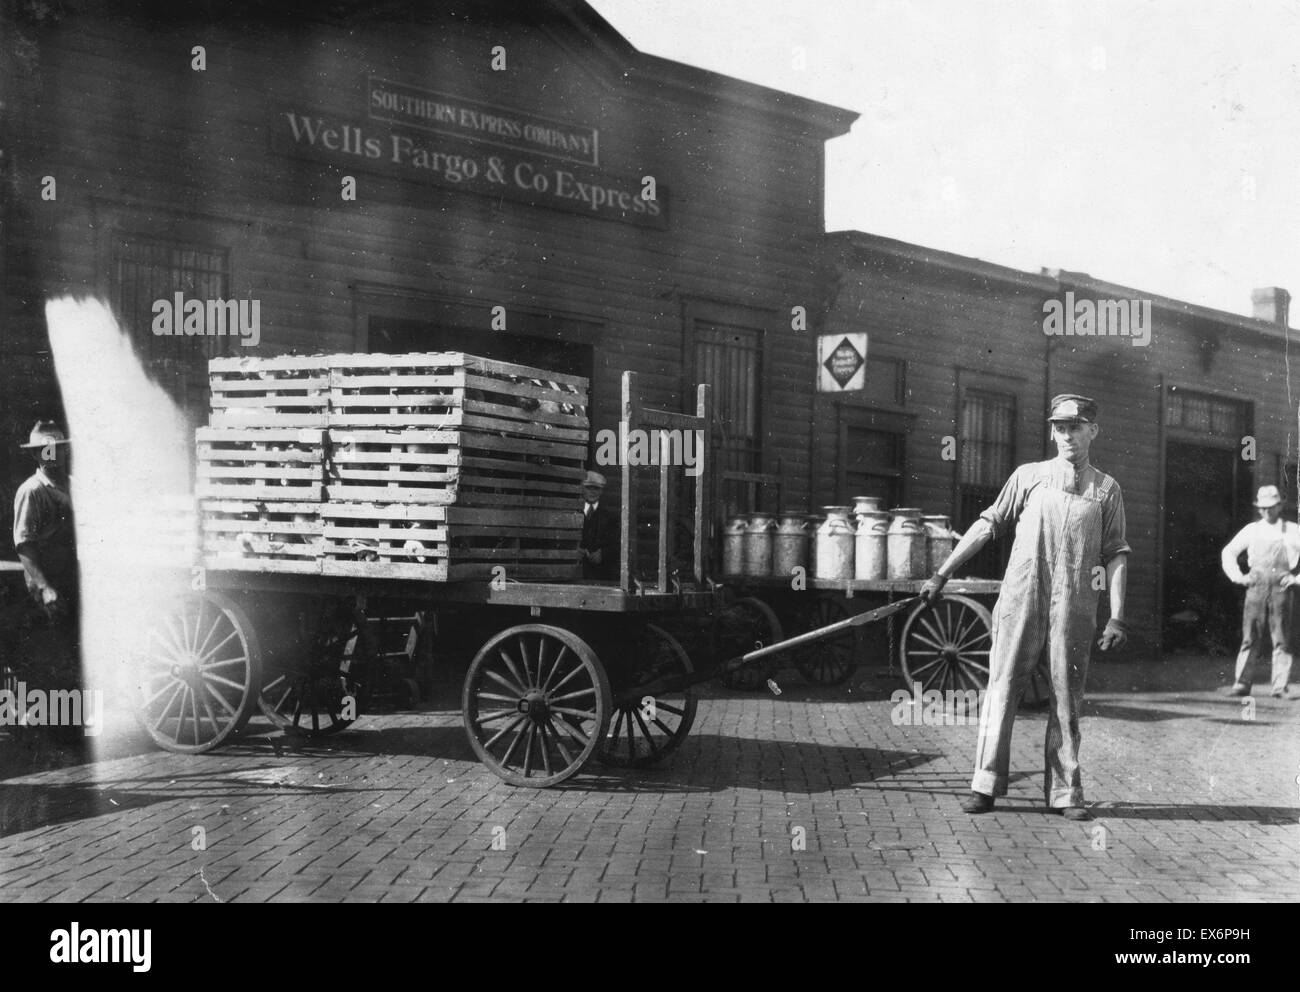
(141,143)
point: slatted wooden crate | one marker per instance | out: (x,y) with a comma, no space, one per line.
(268,536)
(450,390)
(261,463)
(439,543)
(468,468)
(286,391)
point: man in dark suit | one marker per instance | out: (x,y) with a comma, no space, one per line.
(600,532)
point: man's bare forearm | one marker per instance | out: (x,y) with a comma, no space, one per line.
(1117,583)
(978,535)
(32,565)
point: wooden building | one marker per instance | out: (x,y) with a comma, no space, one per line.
(514,180)
(518,181)
(1192,420)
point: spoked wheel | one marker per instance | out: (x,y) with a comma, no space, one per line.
(536,704)
(319,685)
(200,669)
(947,647)
(832,661)
(761,627)
(651,727)
(1037,690)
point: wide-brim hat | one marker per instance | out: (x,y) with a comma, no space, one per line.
(1268,496)
(46,432)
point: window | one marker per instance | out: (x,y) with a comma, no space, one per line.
(986,461)
(987,429)
(871,464)
(148,269)
(1205,414)
(730,358)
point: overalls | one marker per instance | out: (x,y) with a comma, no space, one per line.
(1267,603)
(1047,599)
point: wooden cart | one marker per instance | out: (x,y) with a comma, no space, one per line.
(943,648)
(556,675)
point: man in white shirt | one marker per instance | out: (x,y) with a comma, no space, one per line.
(1272,549)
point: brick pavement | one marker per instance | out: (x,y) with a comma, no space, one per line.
(1193,804)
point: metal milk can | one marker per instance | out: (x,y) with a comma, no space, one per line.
(790,546)
(733,546)
(865,504)
(939,541)
(834,545)
(758,543)
(906,544)
(871,558)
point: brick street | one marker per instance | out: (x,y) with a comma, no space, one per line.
(1193,803)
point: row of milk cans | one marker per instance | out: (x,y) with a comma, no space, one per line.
(903,543)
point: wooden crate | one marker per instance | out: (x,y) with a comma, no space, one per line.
(285,391)
(467,468)
(266,536)
(375,540)
(450,390)
(260,463)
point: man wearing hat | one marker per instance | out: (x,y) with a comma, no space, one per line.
(1272,549)
(600,533)
(46,543)
(1069,525)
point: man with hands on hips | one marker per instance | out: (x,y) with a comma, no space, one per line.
(1272,549)
(1069,523)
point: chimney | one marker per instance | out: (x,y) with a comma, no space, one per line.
(1271,305)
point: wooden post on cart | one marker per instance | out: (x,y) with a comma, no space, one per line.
(638,417)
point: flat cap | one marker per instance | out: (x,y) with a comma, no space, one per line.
(1072,406)
(593,479)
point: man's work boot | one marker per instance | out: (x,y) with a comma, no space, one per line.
(1075,813)
(977,802)
(1240,689)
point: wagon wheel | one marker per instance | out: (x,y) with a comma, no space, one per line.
(764,628)
(200,669)
(1038,689)
(650,729)
(319,686)
(536,704)
(947,647)
(832,661)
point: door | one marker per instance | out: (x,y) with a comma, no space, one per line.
(1207,500)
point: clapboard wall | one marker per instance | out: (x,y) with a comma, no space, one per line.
(955,321)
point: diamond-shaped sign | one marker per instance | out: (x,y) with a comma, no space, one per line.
(843,363)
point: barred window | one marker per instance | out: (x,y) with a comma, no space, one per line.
(987,436)
(150,269)
(1205,414)
(730,358)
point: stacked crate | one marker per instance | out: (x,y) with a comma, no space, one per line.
(432,466)
(445,466)
(261,463)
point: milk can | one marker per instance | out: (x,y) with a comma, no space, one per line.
(758,543)
(733,546)
(865,504)
(834,545)
(870,558)
(790,546)
(906,544)
(939,541)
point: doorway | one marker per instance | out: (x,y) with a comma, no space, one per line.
(1207,500)
(396,335)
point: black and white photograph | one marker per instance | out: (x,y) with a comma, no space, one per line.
(641,451)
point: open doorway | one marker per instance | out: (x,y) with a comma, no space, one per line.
(1207,500)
